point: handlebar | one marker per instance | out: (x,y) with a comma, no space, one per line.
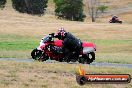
(52,34)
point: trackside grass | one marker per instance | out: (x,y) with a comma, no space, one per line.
(49,75)
(112,50)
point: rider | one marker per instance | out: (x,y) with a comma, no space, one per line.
(71,45)
(114,19)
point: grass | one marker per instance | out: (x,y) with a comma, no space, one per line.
(114,42)
(47,75)
(111,42)
(114,57)
(15,46)
(125,17)
(18,45)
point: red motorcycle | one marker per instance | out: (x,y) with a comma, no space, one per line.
(52,49)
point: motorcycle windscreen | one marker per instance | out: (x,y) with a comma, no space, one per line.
(46,39)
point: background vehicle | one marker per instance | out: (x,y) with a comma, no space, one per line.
(115,21)
(52,49)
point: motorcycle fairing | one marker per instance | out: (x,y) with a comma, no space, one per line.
(88,44)
(58,43)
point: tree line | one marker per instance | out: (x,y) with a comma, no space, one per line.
(64,9)
(2,3)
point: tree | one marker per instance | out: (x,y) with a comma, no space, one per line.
(93,9)
(34,7)
(69,9)
(102,8)
(2,3)
(19,5)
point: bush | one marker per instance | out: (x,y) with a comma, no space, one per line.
(34,7)
(2,3)
(19,5)
(103,8)
(69,9)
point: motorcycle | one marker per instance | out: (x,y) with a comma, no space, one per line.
(52,49)
(115,21)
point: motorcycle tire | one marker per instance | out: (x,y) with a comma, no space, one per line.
(36,54)
(88,58)
(61,60)
(33,53)
(120,22)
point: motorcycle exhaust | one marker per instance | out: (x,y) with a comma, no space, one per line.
(88,50)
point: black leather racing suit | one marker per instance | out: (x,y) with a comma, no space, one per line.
(71,46)
(114,19)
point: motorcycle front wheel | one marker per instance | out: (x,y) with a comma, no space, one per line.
(37,55)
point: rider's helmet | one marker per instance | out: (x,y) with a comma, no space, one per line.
(115,16)
(61,33)
(61,30)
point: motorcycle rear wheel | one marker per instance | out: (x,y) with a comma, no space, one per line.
(88,58)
